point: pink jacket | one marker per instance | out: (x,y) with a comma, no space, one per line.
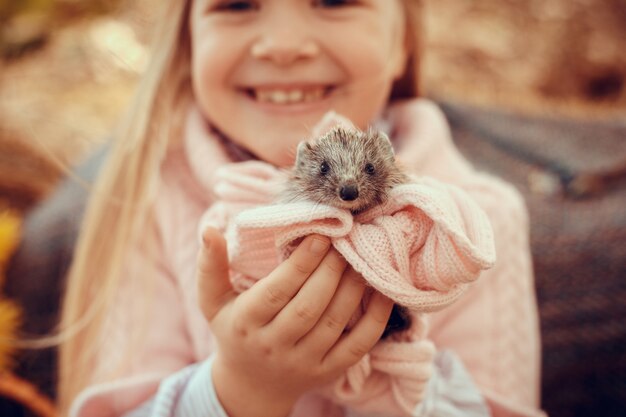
(493,327)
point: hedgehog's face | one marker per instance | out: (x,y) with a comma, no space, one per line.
(346,169)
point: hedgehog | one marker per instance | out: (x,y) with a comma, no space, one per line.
(351,170)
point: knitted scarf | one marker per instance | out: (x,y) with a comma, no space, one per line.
(421,248)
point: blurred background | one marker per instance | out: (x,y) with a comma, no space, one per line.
(535,91)
(68,67)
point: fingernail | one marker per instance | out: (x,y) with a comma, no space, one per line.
(318,246)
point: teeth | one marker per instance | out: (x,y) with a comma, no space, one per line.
(279,97)
(289,96)
(313,95)
(296,95)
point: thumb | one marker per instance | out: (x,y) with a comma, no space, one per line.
(212,274)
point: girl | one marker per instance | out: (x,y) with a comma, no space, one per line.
(239,79)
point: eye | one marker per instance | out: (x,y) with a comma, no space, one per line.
(333,3)
(324,168)
(369,168)
(236,6)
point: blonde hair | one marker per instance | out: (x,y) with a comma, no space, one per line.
(409,84)
(120,204)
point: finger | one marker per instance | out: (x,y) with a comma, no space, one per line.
(362,338)
(266,298)
(212,274)
(333,322)
(307,306)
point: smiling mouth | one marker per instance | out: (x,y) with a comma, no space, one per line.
(284,96)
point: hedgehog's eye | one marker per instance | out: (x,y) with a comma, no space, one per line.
(324,168)
(369,168)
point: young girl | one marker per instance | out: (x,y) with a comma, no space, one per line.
(157,328)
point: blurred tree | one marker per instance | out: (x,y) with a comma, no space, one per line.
(26,24)
(10,8)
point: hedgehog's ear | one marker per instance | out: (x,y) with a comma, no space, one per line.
(303,148)
(385,142)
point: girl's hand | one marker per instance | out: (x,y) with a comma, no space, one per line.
(285,335)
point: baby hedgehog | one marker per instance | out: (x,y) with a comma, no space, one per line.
(345,168)
(351,170)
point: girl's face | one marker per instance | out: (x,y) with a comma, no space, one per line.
(266,71)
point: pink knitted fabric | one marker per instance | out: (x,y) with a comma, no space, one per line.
(493,327)
(421,249)
(391,378)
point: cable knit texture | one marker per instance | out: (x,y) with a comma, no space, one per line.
(492,327)
(421,248)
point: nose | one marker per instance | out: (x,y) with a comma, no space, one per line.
(349,192)
(284,43)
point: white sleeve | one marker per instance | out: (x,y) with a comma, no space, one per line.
(451,392)
(187,393)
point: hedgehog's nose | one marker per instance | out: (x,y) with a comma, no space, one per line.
(349,192)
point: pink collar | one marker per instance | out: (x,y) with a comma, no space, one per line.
(206,149)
